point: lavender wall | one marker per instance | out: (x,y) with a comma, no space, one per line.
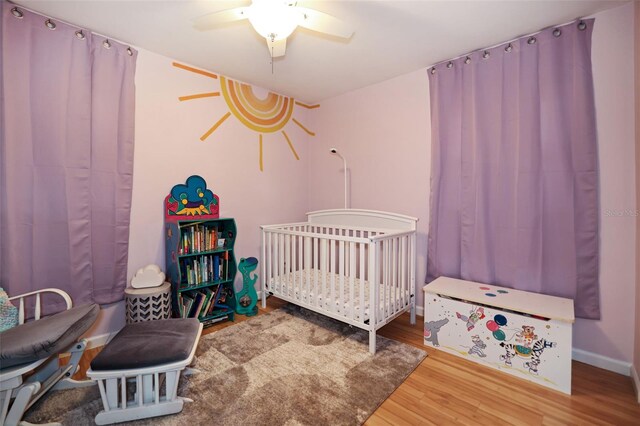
(168,150)
(612,49)
(383,130)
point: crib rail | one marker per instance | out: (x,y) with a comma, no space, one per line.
(361,276)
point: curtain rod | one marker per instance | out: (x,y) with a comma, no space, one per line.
(19,6)
(504,42)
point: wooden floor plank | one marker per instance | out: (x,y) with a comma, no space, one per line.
(445,389)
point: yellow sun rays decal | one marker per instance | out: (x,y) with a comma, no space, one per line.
(263,115)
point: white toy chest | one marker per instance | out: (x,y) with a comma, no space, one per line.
(527,335)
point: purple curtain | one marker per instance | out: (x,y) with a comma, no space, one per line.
(514,179)
(66,158)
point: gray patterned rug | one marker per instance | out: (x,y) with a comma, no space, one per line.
(288,367)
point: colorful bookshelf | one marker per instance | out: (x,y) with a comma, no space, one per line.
(200,258)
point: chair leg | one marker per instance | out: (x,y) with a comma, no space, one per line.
(5,399)
(20,403)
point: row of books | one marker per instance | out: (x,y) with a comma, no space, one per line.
(202,303)
(207,268)
(198,238)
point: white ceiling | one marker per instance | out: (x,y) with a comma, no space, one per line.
(391,37)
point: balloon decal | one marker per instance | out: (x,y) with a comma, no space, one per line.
(494,326)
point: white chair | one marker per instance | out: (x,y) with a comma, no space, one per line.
(32,347)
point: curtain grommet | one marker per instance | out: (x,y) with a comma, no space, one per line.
(17,13)
(80,35)
(532,40)
(449,64)
(557,32)
(509,48)
(467,60)
(433,70)
(582,26)
(50,24)
(106,44)
(486,54)
(129,51)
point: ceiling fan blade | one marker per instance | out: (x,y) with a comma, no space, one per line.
(324,23)
(276,48)
(212,20)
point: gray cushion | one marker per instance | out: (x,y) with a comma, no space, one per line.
(47,336)
(148,344)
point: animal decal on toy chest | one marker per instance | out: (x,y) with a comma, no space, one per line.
(528,346)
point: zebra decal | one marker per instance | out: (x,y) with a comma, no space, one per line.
(532,354)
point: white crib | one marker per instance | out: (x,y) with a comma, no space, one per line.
(357,266)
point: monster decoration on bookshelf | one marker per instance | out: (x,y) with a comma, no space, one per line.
(192,199)
(247,297)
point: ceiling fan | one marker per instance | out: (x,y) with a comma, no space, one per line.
(275,20)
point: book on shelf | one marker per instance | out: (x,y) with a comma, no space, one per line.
(197,304)
(204,302)
(187,303)
(209,294)
(198,238)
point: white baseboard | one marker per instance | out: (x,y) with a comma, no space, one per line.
(636,381)
(420,311)
(601,361)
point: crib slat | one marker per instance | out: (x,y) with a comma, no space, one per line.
(267,263)
(301,264)
(412,268)
(373,283)
(341,257)
(293,267)
(307,266)
(352,278)
(332,266)
(403,255)
(323,266)
(394,263)
(361,249)
(385,279)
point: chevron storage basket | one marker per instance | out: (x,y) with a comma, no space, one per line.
(146,304)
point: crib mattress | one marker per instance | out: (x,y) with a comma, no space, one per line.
(294,285)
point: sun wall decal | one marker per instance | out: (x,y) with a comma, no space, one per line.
(263,115)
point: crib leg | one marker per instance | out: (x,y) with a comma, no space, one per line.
(372,342)
(264,299)
(413,311)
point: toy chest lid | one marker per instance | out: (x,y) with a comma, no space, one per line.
(536,304)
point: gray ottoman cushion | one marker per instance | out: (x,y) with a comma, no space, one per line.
(148,344)
(47,336)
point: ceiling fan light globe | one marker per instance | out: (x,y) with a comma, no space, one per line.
(273,20)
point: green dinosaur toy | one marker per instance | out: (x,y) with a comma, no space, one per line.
(247,297)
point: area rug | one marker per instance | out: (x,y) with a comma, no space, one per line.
(288,367)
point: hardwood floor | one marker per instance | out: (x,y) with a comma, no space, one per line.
(445,389)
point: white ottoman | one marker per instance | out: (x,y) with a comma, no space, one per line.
(139,354)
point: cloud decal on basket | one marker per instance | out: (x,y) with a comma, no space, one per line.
(149,276)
